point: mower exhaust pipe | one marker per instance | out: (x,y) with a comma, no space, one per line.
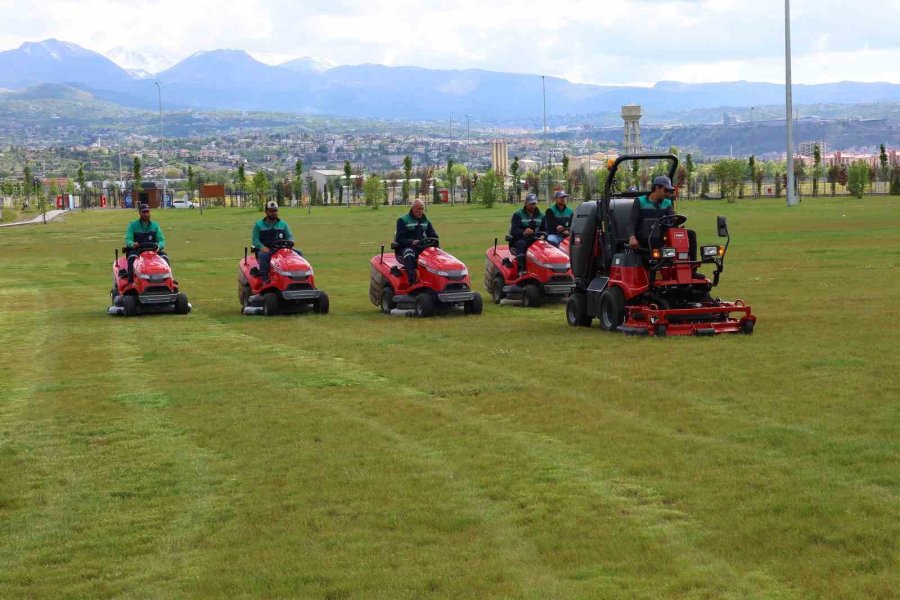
(253,310)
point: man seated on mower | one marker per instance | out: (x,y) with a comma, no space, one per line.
(142,231)
(648,209)
(525,222)
(412,228)
(558,219)
(267,231)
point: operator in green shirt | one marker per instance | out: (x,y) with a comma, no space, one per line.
(143,231)
(266,232)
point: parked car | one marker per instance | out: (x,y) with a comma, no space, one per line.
(183,202)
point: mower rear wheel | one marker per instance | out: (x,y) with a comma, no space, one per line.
(424,305)
(181,304)
(474,306)
(243,294)
(270,304)
(321,304)
(497,289)
(576,310)
(129,303)
(531,296)
(387,300)
(747,327)
(612,308)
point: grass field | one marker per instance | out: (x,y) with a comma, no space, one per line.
(356,455)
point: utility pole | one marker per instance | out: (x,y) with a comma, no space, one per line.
(162,148)
(789,109)
(449,156)
(547,152)
(751,114)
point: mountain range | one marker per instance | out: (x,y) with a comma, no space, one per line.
(232,79)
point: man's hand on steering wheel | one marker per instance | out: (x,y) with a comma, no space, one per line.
(135,244)
(633,243)
(415,242)
(265,249)
(528,231)
(559,229)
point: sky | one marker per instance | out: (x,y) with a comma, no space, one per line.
(618,42)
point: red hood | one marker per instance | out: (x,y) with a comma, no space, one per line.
(437,259)
(547,253)
(150,263)
(288,260)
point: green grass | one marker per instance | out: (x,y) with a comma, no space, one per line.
(356,455)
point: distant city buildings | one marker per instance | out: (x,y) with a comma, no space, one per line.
(809,148)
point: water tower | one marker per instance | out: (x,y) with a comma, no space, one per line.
(631,114)
(500,157)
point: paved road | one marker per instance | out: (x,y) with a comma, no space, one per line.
(51,214)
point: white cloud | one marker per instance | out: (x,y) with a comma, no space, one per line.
(582,40)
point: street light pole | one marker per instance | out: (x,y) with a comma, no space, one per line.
(547,152)
(791,201)
(162,148)
(751,114)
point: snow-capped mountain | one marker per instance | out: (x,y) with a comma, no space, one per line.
(139,64)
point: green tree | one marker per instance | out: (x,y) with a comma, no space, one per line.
(817,169)
(27,184)
(136,176)
(373,191)
(312,191)
(450,179)
(514,171)
(704,184)
(191,182)
(297,183)
(858,177)
(895,181)
(883,160)
(407,175)
(348,174)
(259,187)
(730,175)
(82,187)
(565,172)
(751,166)
(689,168)
(489,188)
(831,177)
(241,181)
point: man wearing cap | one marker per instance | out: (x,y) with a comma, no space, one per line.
(143,231)
(266,231)
(558,219)
(647,210)
(412,228)
(525,222)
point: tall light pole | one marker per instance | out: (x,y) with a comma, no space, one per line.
(468,174)
(751,114)
(789,110)
(547,153)
(162,148)
(450,156)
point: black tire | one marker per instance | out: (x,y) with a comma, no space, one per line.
(661,331)
(497,289)
(747,327)
(270,304)
(576,310)
(387,300)
(243,294)
(424,305)
(129,302)
(531,296)
(474,306)
(321,305)
(181,304)
(377,283)
(612,308)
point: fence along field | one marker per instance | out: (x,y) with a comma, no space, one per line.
(500,456)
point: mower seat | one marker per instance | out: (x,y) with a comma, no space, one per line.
(396,271)
(506,262)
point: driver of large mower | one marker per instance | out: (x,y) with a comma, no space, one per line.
(646,212)
(143,231)
(412,228)
(266,232)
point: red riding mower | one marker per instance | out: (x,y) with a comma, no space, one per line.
(548,274)
(152,289)
(646,292)
(442,283)
(291,287)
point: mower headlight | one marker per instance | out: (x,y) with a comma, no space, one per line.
(668,252)
(442,273)
(294,274)
(711,253)
(154,277)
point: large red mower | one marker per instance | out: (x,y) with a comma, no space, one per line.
(548,274)
(655,290)
(151,290)
(442,283)
(291,287)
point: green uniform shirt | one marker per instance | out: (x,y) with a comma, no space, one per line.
(149,227)
(265,225)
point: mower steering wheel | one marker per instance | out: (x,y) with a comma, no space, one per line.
(537,235)
(148,247)
(429,243)
(672,220)
(280,244)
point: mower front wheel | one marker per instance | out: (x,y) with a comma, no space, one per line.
(181,304)
(321,304)
(576,310)
(531,296)
(387,300)
(747,327)
(612,308)
(270,304)
(497,289)
(424,305)
(474,306)
(129,303)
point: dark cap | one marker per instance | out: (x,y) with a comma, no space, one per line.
(144,207)
(530,199)
(560,194)
(663,181)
